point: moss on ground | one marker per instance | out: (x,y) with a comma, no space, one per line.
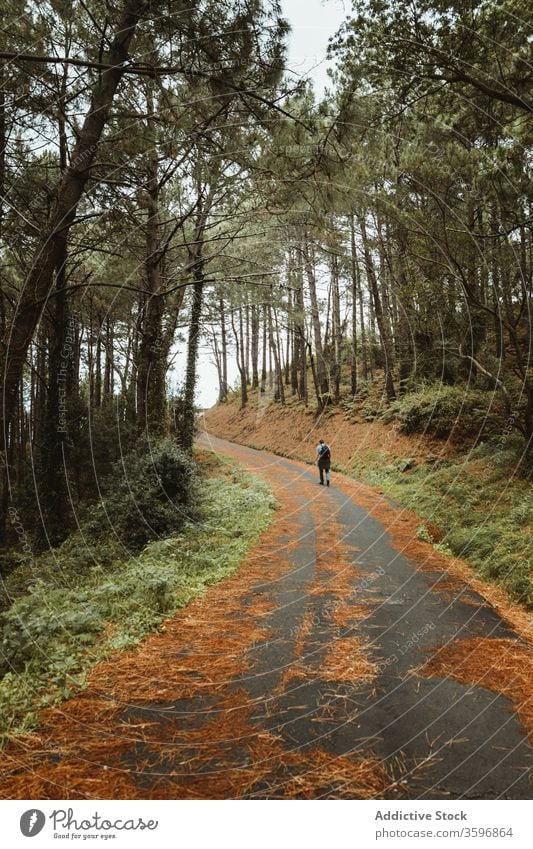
(54,633)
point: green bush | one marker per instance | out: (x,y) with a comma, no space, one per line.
(514,573)
(441,409)
(423,534)
(150,495)
(35,628)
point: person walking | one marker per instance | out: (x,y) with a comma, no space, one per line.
(323,461)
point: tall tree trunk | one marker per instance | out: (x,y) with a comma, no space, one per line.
(372,334)
(247,347)
(98,366)
(255,345)
(291,373)
(152,413)
(50,467)
(23,440)
(301,345)
(279,350)
(404,346)
(386,343)
(264,353)
(241,364)
(384,282)
(223,353)
(90,357)
(244,353)
(189,420)
(315,375)
(327,331)
(218,363)
(270,367)
(109,365)
(336,327)
(302,385)
(186,438)
(362,325)
(496,291)
(279,392)
(354,270)
(315,321)
(50,464)
(476,315)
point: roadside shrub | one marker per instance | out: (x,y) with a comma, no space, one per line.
(150,494)
(483,506)
(40,624)
(423,533)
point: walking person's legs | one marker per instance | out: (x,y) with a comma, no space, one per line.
(321,470)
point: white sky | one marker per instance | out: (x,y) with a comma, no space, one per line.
(313,22)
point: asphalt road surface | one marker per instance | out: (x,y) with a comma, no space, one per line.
(447,739)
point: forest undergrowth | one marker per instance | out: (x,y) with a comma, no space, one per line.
(64,623)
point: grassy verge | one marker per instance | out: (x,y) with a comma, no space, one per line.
(53,634)
(483,508)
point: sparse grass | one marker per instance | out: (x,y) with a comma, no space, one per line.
(53,634)
(483,506)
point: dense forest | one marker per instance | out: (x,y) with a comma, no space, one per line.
(165,183)
(354,264)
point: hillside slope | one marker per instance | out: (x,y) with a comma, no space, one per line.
(294,431)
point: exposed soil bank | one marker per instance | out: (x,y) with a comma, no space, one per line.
(294,432)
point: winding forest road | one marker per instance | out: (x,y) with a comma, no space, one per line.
(317,671)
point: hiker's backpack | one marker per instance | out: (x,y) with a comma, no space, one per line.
(325,453)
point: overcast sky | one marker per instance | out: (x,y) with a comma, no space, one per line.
(313,22)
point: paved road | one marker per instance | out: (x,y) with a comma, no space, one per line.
(447,739)
(301,676)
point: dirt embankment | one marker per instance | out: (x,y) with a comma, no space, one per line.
(294,432)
